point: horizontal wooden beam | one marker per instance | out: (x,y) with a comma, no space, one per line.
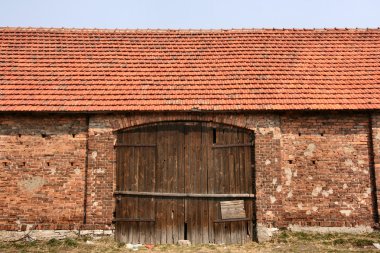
(133,219)
(232,145)
(134,145)
(213,146)
(232,220)
(184,195)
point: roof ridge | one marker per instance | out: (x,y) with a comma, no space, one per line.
(65,29)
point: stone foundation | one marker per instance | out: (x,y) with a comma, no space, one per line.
(50,234)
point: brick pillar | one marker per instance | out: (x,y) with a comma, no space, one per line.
(376,155)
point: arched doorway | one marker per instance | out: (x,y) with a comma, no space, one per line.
(184,180)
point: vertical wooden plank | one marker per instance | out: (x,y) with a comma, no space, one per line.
(133,201)
(205,143)
(198,180)
(186,178)
(170,179)
(238,176)
(192,225)
(210,182)
(146,179)
(249,170)
(177,185)
(142,153)
(159,186)
(218,170)
(117,205)
(247,167)
(218,232)
(181,182)
(143,202)
(128,173)
(224,178)
(249,224)
(240,182)
(231,162)
(119,164)
(123,202)
(235,226)
(176,167)
(152,183)
(164,207)
(123,186)
(226,182)
(192,180)
(157,231)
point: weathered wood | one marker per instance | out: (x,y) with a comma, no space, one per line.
(169,174)
(162,183)
(123,145)
(232,209)
(180,222)
(210,178)
(133,219)
(204,212)
(185,195)
(231,145)
(172,132)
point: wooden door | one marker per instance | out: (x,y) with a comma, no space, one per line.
(184,180)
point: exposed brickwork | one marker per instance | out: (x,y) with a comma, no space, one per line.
(102,156)
(376,149)
(101,168)
(42,171)
(327,182)
(325,170)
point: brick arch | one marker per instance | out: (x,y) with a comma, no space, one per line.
(102,138)
(239,120)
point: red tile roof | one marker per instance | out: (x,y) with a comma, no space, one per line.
(91,70)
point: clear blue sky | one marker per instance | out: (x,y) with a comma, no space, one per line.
(190,13)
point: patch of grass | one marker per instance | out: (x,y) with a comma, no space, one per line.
(84,238)
(373,235)
(70,242)
(327,236)
(339,241)
(282,237)
(120,244)
(210,246)
(313,236)
(164,247)
(356,242)
(19,245)
(54,242)
(285,241)
(361,242)
(304,236)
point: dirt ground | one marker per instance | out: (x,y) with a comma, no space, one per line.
(283,242)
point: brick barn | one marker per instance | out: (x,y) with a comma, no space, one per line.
(207,135)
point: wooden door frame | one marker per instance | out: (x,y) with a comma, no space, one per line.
(250,132)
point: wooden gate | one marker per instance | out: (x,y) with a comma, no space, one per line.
(184,180)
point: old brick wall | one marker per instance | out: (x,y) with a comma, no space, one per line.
(42,171)
(311,169)
(101,170)
(376,148)
(325,170)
